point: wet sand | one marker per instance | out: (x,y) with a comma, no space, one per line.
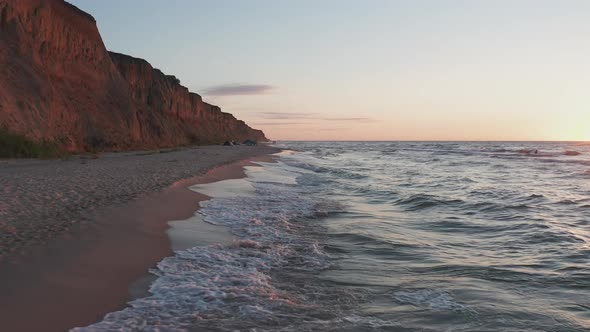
(85,272)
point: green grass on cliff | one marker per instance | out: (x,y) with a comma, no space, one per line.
(18,146)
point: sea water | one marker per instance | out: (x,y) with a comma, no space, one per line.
(388,236)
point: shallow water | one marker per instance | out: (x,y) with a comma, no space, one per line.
(389,236)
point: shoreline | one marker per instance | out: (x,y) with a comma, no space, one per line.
(43,199)
(97,267)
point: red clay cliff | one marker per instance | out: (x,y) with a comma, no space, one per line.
(59,83)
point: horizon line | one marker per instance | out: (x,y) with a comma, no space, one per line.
(458,141)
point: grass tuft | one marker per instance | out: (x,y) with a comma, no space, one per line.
(18,146)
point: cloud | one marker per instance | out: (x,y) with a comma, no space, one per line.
(238,89)
(349,119)
(278,123)
(308,116)
(309,121)
(284,115)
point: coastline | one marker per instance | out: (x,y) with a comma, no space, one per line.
(97,267)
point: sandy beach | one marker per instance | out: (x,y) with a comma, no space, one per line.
(78,236)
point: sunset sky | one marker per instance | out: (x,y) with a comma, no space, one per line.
(372,70)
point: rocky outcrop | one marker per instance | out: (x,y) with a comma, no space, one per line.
(59,83)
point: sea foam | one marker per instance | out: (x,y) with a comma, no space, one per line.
(220,284)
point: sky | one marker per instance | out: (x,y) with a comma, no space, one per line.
(372,69)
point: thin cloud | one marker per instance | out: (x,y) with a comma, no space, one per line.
(283,115)
(308,116)
(349,119)
(277,123)
(238,89)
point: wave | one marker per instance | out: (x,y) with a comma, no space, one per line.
(232,285)
(371,241)
(430,298)
(552,236)
(418,202)
(345,174)
(578,161)
(445,150)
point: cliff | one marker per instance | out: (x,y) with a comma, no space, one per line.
(157,93)
(59,83)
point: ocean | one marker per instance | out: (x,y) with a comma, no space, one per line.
(388,236)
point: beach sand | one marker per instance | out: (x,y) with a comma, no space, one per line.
(84,271)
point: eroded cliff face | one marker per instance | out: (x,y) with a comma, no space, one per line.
(157,93)
(59,83)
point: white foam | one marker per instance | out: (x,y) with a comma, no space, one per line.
(232,281)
